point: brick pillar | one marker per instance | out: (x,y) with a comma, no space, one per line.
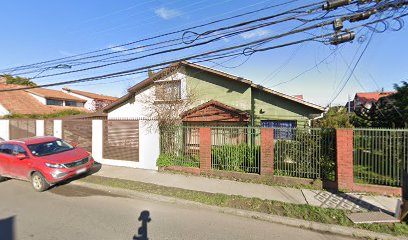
(267,145)
(344,158)
(205,149)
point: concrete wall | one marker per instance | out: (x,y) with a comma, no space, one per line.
(134,107)
(5,129)
(149,146)
(40,128)
(3,111)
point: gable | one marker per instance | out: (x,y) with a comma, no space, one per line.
(214,111)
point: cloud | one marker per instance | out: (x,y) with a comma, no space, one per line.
(167,13)
(65,53)
(116,49)
(254,34)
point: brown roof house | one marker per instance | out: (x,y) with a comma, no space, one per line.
(366,99)
(93,101)
(36,101)
(212,97)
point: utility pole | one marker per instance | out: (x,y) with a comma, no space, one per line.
(348,103)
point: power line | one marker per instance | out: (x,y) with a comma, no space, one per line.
(157,36)
(226,35)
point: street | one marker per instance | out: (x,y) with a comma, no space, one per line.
(75,212)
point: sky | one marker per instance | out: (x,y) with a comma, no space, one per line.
(34,31)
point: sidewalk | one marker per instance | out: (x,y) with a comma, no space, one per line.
(352,201)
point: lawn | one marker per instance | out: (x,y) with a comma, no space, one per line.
(305,212)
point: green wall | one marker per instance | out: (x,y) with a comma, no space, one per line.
(206,86)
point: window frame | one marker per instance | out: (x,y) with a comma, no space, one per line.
(48,102)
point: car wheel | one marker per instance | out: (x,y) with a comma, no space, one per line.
(2,178)
(39,183)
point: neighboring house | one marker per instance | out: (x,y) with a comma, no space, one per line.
(366,100)
(219,99)
(36,101)
(94,102)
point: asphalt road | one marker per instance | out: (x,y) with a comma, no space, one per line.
(75,212)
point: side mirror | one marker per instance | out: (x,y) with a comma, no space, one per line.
(21,156)
(74,144)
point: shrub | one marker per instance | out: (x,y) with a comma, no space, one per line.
(239,158)
(167,160)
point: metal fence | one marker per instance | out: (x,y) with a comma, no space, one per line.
(305,153)
(180,146)
(236,149)
(379,155)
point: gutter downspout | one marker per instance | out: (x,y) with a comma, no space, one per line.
(318,117)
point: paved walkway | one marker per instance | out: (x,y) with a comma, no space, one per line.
(353,202)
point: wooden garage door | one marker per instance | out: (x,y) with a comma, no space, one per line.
(78,132)
(121,140)
(22,128)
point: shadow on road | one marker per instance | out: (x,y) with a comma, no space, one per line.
(7,228)
(69,190)
(142,231)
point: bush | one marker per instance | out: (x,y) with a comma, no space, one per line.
(306,155)
(239,158)
(168,160)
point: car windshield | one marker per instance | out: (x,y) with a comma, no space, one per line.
(49,148)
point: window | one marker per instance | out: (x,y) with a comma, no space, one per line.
(74,104)
(6,149)
(168,90)
(55,102)
(49,148)
(283,128)
(12,149)
(17,149)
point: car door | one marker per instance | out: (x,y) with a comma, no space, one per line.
(6,159)
(19,168)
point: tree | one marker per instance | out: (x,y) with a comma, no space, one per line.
(388,112)
(10,79)
(336,117)
(167,98)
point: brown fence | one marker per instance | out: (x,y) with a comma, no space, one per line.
(121,140)
(78,132)
(22,128)
(49,127)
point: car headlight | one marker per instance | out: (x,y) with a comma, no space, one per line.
(50,165)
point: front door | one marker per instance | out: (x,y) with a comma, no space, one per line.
(6,157)
(19,168)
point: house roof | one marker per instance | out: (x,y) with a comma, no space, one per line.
(54,94)
(372,96)
(141,85)
(20,102)
(214,111)
(91,95)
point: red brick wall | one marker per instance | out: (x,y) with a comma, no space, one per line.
(267,151)
(205,149)
(344,156)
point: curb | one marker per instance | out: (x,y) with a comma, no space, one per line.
(315,226)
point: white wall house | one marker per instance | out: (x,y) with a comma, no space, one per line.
(94,102)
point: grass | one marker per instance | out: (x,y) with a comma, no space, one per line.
(305,212)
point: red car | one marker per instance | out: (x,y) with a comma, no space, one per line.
(42,160)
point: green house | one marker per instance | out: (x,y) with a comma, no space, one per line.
(199,95)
